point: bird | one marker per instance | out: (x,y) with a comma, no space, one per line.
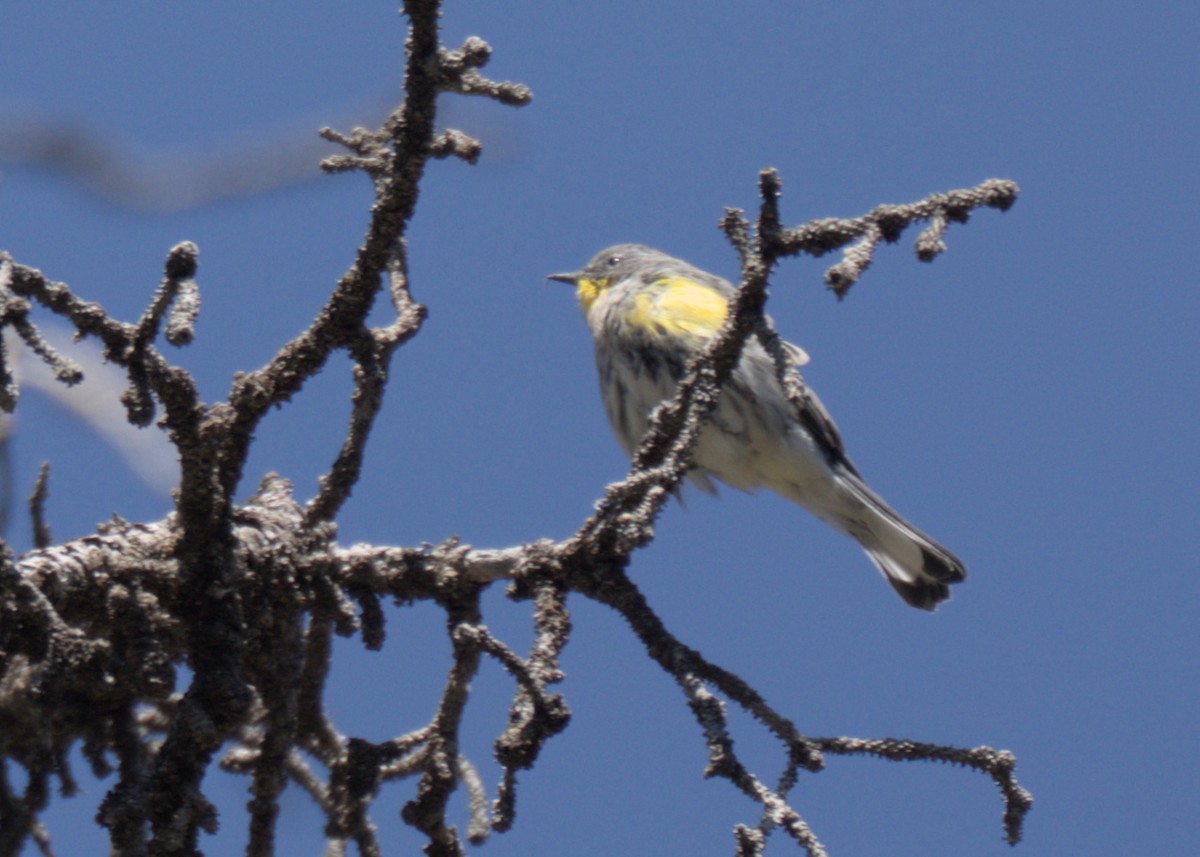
(649,315)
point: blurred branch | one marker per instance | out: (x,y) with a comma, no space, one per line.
(248,597)
(96,403)
(266,160)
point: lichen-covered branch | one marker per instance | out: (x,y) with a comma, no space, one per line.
(93,632)
(883,223)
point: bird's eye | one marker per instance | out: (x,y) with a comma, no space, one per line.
(613,261)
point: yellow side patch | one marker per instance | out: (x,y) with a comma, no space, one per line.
(677,306)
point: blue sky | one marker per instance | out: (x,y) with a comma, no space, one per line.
(1029,398)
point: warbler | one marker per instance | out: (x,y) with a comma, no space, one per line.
(650,314)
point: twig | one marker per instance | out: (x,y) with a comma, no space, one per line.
(37,507)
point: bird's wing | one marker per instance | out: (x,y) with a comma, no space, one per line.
(816,420)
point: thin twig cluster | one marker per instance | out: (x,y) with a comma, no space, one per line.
(249,597)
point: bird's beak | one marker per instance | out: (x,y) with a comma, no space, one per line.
(569,279)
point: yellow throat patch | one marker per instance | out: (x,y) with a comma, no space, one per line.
(587,292)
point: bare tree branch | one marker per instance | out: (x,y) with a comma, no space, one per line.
(249,597)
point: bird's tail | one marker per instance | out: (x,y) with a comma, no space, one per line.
(917,567)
